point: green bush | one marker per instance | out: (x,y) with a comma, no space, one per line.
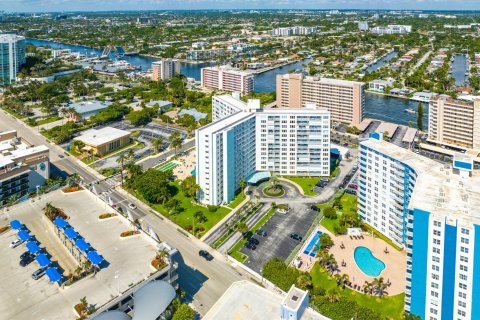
(212,208)
(279,273)
(345,309)
(330,213)
(339,229)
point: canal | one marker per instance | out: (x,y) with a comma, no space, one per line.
(459,69)
(376,106)
(382,61)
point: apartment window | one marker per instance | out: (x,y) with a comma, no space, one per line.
(464,240)
(437,233)
(464,249)
(463,268)
(463,277)
(437,223)
(465,231)
(464,259)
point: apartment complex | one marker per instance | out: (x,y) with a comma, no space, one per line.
(165,69)
(431,208)
(228,79)
(245,139)
(344,99)
(12,56)
(455,123)
(392,29)
(22,167)
(206,54)
(294,31)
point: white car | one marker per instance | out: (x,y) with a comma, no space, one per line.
(132,206)
(16,243)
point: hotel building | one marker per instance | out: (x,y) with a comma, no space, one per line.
(165,69)
(344,99)
(227,79)
(22,167)
(432,210)
(454,123)
(245,140)
(12,56)
(392,29)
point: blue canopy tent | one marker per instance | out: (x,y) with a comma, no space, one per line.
(42,260)
(33,247)
(82,245)
(94,257)
(53,274)
(23,235)
(59,222)
(71,233)
(15,224)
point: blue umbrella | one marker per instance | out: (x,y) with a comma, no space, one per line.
(33,247)
(71,233)
(53,274)
(23,235)
(42,260)
(60,223)
(82,245)
(94,257)
(15,224)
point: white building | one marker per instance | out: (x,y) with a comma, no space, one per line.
(294,31)
(431,209)
(228,79)
(12,57)
(165,69)
(392,29)
(363,26)
(22,167)
(244,139)
(197,55)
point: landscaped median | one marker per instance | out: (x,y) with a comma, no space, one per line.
(234,252)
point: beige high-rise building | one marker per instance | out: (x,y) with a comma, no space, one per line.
(165,69)
(344,99)
(227,79)
(455,123)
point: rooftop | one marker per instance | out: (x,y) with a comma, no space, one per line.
(245,300)
(8,37)
(438,188)
(294,298)
(98,137)
(324,80)
(89,106)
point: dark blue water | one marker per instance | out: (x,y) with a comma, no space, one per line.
(376,106)
(380,63)
(459,68)
(393,109)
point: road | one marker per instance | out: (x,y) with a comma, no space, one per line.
(204,282)
(419,63)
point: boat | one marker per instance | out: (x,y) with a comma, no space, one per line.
(410,110)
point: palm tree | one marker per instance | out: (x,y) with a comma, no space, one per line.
(175,141)
(332,296)
(243,184)
(130,155)
(121,159)
(367,287)
(379,287)
(157,144)
(242,227)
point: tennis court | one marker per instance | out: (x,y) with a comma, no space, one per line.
(170,165)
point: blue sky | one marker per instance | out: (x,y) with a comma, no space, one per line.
(95,5)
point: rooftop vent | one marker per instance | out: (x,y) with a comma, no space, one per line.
(294,298)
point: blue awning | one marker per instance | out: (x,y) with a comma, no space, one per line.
(71,233)
(42,260)
(15,224)
(94,257)
(33,247)
(60,223)
(82,245)
(23,235)
(53,274)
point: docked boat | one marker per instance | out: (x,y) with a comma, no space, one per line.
(410,110)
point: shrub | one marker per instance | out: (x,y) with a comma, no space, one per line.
(72,189)
(127,233)
(106,215)
(345,309)
(330,213)
(184,312)
(339,229)
(3,229)
(212,208)
(325,241)
(280,274)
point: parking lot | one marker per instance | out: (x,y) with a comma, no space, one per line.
(127,260)
(278,242)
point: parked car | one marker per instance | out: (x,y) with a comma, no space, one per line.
(27,260)
(261,232)
(132,206)
(205,254)
(315,208)
(296,236)
(15,243)
(250,246)
(37,274)
(24,255)
(254,241)
(353,186)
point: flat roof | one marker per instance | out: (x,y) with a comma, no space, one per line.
(364,124)
(410,135)
(102,136)
(245,300)
(438,189)
(294,298)
(388,127)
(89,106)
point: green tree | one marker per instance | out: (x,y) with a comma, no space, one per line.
(242,227)
(157,144)
(154,186)
(243,184)
(121,160)
(184,312)
(420,117)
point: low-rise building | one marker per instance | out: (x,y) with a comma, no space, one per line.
(22,167)
(105,140)
(207,54)
(379,85)
(83,110)
(392,29)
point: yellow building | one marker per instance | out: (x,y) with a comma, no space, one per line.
(105,140)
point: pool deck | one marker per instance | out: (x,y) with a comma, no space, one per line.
(395,261)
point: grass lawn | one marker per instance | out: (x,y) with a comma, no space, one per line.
(48,120)
(349,205)
(237,200)
(185,218)
(306,183)
(390,307)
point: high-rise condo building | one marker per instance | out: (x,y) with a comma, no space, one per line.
(12,56)
(165,69)
(227,79)
(344,99)
(455,123)
(432,210)
(245,140)
(22,167)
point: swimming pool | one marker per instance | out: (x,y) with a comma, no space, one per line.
(311,249)
(367,262)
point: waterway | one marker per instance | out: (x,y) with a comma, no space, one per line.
(382,61)
(376,106)
(459,68)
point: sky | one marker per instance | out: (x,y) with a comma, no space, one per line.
(101,5)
